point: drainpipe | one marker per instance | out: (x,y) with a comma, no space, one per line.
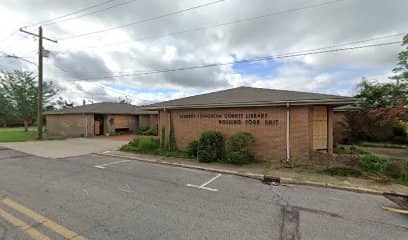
(86,126)
(287,162)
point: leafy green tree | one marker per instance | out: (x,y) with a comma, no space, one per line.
(379,95)
(6,108)
(402,67)
(21,89)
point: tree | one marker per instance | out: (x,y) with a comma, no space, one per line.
(382,106)
(381,95)
(21,89)
(6,108)
(402,66)
(63,103)
(125,100)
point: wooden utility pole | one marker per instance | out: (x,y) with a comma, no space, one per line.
(40,78)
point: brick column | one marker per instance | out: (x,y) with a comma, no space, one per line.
(330,130)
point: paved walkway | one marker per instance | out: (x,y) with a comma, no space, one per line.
(260,170)
(66,148)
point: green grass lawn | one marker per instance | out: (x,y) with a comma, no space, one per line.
(17,134)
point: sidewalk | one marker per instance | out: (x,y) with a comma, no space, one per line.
(262,170)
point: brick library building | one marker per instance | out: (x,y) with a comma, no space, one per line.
(286,125)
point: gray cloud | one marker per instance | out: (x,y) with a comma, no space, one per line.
(80,65)
(312,28)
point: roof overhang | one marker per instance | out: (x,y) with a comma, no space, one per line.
(332,102)
(91,113)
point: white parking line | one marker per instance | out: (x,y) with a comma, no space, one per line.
(102,166)
(202,186)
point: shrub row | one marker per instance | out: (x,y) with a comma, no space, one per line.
(143,145)
(211,147)
(147,131)
(381,167)
(374,163)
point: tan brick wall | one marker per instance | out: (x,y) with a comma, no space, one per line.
(270,139)
(153,121)
(70,125)
(339,130)
(132,122)
(148,121)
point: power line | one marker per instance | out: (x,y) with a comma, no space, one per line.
(145,20)
(237,21)
(110,88)
(90,13)
(288,55)
(17,57)
(295,52)
(70,14)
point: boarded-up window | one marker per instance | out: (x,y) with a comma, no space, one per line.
(319,127)
(122,121)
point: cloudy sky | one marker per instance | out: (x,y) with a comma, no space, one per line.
(105,50)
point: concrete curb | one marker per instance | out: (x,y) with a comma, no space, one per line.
(282,180)
(329,185)
(208,169)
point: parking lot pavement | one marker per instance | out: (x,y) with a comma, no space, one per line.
(138,200)
(66,148)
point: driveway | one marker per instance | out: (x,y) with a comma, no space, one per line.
(98,197)
(68,147)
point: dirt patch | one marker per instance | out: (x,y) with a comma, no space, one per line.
(400,200)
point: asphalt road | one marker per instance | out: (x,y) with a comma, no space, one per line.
(95,197)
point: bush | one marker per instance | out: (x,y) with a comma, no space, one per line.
(239,148)
(142,145)
(342,171)
(399,171)
(192,148)
(403,179)
(373,163)
(147,131)
(393,170)
(211,147)
(400,130)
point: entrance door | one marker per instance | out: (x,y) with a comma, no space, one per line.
(97,128)
(98,125)
(319,127)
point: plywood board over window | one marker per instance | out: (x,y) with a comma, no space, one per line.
(319,127)
(122,121)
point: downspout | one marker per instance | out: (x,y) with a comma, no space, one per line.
(287,162)
(167,138)
(86,126)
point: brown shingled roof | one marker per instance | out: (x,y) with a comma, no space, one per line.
(249,96)
(103,108)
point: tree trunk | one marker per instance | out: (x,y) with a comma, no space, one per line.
(25,126)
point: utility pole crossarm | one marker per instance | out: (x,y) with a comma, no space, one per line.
(36,35)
